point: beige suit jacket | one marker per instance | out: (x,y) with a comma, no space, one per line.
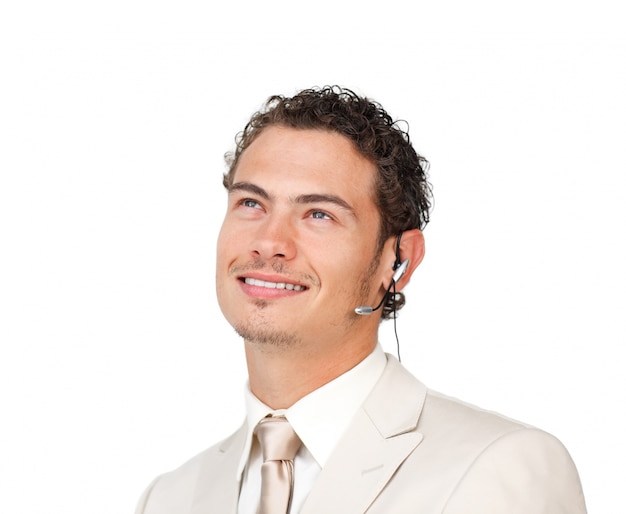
(408,450)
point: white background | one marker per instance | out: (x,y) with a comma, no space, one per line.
(115,363)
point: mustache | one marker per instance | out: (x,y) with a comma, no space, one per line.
(277,266)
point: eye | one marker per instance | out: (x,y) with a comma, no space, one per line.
(253,204)
(320,215)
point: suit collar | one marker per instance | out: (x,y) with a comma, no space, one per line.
(395,404)
(382,435)
(217,489)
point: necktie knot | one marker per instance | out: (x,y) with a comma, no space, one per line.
(278,440)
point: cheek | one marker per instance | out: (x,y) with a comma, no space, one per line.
(350,275)
(226,243)
(223,262)
(222,265)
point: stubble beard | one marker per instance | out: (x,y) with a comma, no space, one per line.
(267,337)
(263,334)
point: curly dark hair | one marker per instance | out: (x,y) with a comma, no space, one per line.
(402,191)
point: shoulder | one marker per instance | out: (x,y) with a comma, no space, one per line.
(471,460)
(175,490)
(521,471)
(449,417)
(493,463)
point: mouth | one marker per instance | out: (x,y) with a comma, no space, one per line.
(272,285)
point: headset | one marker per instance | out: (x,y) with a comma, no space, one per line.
(400,268)
(366,310)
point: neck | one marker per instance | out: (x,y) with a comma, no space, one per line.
(280,376)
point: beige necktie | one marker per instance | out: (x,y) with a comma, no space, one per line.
(279,445)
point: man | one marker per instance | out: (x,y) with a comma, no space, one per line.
(327,200)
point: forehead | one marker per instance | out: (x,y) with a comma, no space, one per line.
(307,158)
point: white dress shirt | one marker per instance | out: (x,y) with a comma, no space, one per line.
(319,419)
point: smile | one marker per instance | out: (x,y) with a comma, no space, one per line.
(273,285)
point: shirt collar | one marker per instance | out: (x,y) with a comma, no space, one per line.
(321,417)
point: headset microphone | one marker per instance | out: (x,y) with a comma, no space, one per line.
(366,310)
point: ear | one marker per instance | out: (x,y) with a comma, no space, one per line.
(412,248)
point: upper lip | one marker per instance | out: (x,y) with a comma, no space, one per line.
(272,278)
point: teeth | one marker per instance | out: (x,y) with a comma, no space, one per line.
(273,285)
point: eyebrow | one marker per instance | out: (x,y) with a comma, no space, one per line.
(325,198)
(250,188)
(300,199)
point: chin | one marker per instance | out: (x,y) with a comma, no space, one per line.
(267,336)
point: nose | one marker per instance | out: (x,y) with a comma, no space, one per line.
(274,238)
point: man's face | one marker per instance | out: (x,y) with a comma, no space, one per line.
(297,251)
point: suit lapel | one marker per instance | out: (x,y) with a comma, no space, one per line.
(381,436)
(217,490)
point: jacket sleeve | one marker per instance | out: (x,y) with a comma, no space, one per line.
(523,472)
